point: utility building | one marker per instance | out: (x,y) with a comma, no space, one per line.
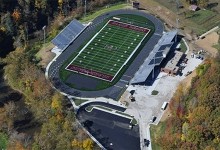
(171,66)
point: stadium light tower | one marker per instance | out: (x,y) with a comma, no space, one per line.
(85,8)
(177,27)
(44,27)
(154,66)
(177,19)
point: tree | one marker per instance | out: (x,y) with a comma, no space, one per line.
(87,144)
(57,102)
(10,109)
(3,141)
(41,4)
(9,24)
(16,15)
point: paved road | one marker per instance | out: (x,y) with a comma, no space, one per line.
(111,131)
(114,91)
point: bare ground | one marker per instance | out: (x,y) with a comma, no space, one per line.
(45,55)
(208,42)
(162,12)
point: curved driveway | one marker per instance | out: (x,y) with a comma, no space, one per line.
(114,91)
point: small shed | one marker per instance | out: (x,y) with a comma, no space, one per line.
(194,7)
(136,4)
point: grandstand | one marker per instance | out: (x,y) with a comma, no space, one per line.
(68,34)
(155,58)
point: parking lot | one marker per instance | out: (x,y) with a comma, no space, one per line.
(112,131)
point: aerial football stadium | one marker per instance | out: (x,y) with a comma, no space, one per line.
(102,57)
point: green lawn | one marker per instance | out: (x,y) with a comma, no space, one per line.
(79,101)
(154,92)
(89,108)
(92,16)
(183,47)
(3,141)
(199,21)
(134,121)
(155,132)
(217,46)
(202,16)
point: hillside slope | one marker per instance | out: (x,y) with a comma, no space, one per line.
(195,114)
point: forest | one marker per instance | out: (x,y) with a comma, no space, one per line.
(195,113)
(43,118)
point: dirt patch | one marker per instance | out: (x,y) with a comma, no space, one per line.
(159,11)
(45,55)
(125,98)
(187,81)
(208,42)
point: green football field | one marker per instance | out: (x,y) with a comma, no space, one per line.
(109,50)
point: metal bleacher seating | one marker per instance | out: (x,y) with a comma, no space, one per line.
(68,34)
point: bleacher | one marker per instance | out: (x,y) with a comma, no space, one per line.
(155,57)
(68,34)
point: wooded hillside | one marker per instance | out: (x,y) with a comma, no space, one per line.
(195,120)
(41,120)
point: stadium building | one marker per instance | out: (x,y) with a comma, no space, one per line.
(128,57)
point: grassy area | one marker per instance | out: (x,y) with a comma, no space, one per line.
(154,92)
(155,132)
(89,108)
(79,101)
(64,74)
(183,47)
(170,4)
(3,141)
(201,16)
(92,16)
(217,46)
(199,21)
(134,121)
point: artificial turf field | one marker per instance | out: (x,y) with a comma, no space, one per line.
(110,49)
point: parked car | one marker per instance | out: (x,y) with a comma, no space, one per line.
(146,142)
(153,119)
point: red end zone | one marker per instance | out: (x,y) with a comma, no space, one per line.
(89,72)
(128,26)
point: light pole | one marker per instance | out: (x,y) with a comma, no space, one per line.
(44,28)
(177,26)
(154,66)
(85,8)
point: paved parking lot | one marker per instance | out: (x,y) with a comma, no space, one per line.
(112,131)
